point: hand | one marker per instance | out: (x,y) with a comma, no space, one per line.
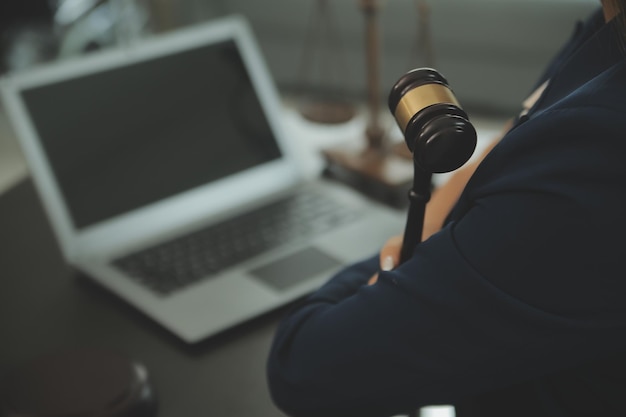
(389,256)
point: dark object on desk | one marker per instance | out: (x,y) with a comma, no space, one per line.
(438,133)
(79,383)
(384,177)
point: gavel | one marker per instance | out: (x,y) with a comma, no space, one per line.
(437,132)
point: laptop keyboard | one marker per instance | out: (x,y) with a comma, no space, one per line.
(204,253)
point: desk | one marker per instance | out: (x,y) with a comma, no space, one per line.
(45,306)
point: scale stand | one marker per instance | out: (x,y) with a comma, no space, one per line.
(376,170)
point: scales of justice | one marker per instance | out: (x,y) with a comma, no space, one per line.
(379,169)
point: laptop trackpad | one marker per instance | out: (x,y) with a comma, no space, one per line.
(295,268)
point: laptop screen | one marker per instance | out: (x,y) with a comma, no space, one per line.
(130,136)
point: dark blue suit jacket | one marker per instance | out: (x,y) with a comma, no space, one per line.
(518,306)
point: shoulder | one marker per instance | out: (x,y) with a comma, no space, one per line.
(573,151)
(582,133)
(597,104)
(605,92)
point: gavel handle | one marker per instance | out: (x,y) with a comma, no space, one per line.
(418,197)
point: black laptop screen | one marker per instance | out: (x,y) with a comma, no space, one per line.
(127,137)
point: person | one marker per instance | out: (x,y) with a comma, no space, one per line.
(515,303)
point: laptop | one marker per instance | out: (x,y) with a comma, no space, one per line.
(168,178)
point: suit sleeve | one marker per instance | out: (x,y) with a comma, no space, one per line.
(520,285)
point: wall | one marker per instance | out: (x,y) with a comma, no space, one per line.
(490,50)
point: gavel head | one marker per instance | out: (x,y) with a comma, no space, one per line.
(435,128)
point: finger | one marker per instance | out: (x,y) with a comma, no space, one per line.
(390,253)
(373,279)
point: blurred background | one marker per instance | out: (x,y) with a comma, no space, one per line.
(491,51)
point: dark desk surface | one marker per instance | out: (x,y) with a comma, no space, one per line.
(46,306)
